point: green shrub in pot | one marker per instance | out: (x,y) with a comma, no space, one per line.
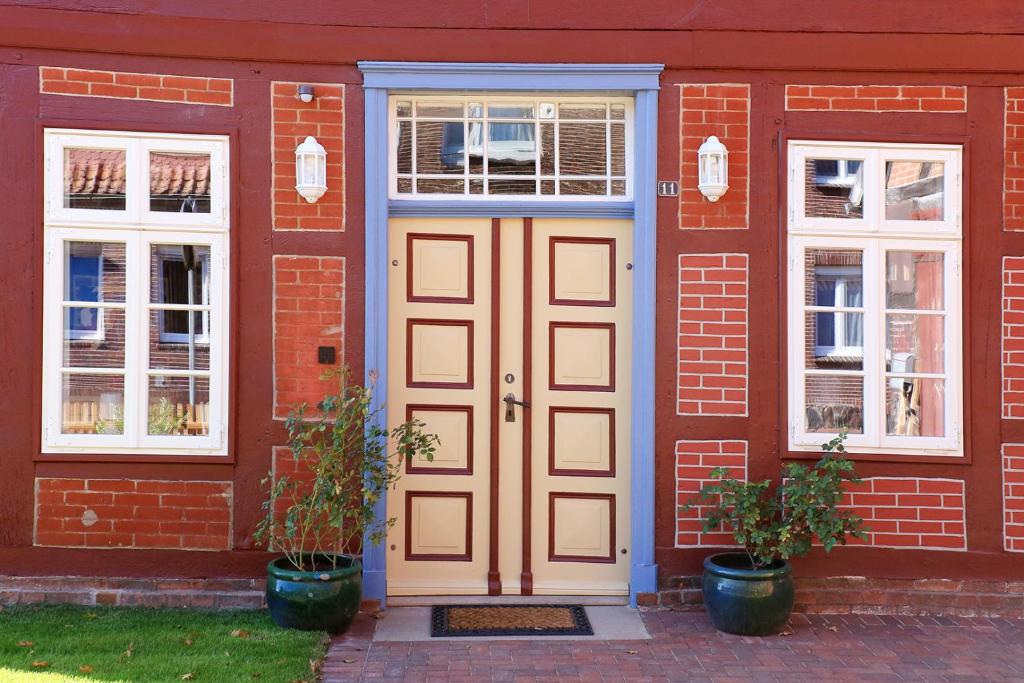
(345,460)
(751,592)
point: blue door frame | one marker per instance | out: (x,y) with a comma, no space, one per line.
(382,78)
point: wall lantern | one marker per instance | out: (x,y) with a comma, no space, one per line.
(305,93)
(713,169)
(311,169)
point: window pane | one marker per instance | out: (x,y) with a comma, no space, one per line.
(94,179)
(581,149)
(405,185)
(618,140)
(618,187)
(179,183)
(582,187)
(476,187)
(511,148)
(93,404)
(500,186)
(834,277)
(914,280)
(914,190)
(581,111)
(915,343)
(440,186)
(439,109)
(171,345)
(915,407)
(178,406)
(547,148)
(403,108)
(835,341)
(179,274)
(618,111)
(404,146)
(510,111)
(440,147)
(834,403)
(93,338)
(833,188)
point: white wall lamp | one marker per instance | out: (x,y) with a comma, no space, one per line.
(713,169)
(305,93)
(310,169)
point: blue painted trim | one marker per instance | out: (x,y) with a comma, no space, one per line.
(482,76)
(376,315)
(643,575)
(509,209)
(379,77)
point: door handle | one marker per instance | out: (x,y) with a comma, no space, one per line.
(510,406)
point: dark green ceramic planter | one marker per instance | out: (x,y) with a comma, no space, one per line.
(325,600)
(746,601)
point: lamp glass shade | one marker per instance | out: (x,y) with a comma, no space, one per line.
(310,169)
(712,169)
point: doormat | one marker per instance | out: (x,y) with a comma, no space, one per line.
(509,620)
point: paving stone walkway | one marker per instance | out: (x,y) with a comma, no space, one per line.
(685,647)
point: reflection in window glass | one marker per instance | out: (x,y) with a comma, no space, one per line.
(510,148)
(833,188)
(914,190)
(835,328)
(178,406)
(179,183)
(834,403)
(94,272)
(92,404)
(915,406)
(914,280)
(94,179)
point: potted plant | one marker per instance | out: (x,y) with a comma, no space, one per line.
(751,592)
(317,515)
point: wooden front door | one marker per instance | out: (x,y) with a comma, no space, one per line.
(510,338)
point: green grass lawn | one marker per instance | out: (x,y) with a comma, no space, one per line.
(62,644)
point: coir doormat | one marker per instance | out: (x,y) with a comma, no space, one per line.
(509,620)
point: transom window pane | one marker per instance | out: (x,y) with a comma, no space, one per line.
(179,183)
(915,190)
(504,147)
(94,179)
(833,188)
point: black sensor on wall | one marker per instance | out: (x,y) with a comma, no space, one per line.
(326,355)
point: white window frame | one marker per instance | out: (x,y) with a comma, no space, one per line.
(874,236)
(511,99)
(139,230)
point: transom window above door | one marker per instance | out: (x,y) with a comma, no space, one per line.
(443,147)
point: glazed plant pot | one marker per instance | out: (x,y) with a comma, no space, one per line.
(747,601)
(323,600)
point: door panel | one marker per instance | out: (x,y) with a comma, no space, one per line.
(533,499)
(438,368)
(582,323)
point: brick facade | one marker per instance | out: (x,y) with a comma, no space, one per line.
(309,312)
(1013,497)
(712,334)
(720,109)
(694,462)
(133,513)
(1013,168)
(910,512)
(136,86)
(293,120)
(877,98)
(1013,337)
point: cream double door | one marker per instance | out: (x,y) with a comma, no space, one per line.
(510,339)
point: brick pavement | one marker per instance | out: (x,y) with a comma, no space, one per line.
(685,647)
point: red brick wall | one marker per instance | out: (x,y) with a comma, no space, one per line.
(1013,497)
(694,462)
(910,512)
(293,120)
(1013,337)
(907,98)
(1013,170)
(309,304)
(133,513)
(136,86)
(712,334)
(714,109)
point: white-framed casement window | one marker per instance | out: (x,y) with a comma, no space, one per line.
(135,297)
(500,146)
(874,288)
